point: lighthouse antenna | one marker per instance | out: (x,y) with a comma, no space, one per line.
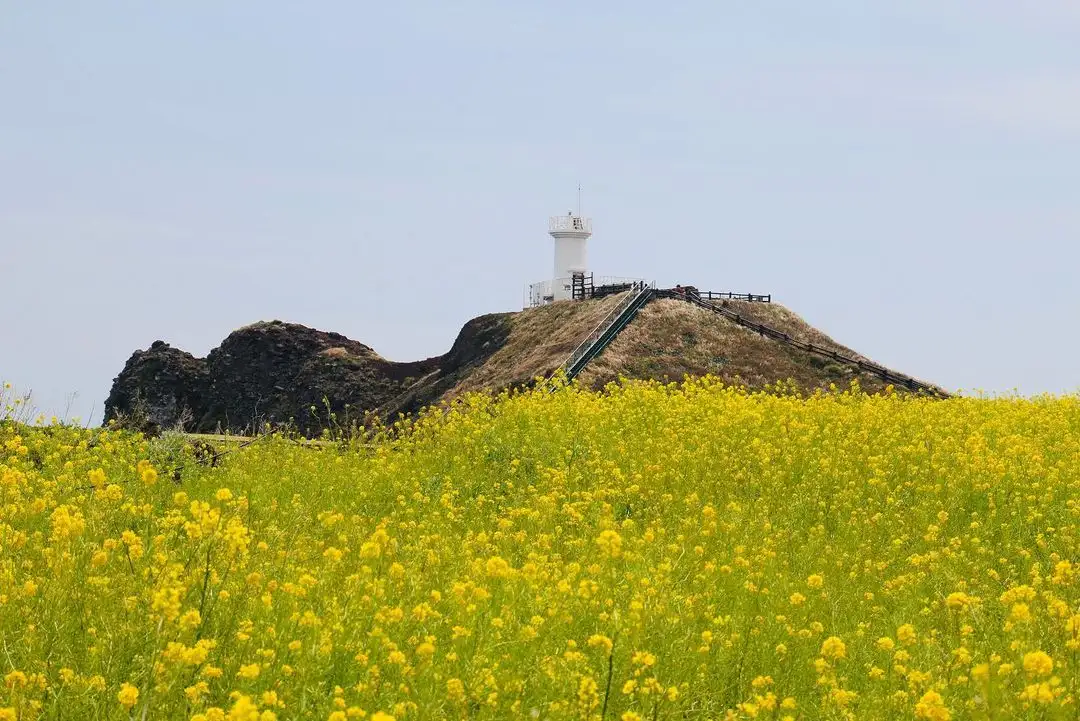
(579,199)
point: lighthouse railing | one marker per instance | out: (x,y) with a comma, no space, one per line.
(537,294)
(565,223)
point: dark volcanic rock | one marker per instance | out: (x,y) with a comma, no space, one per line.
(268,372)
(478,339)
(476,342)
(277,372)
(163,386)
(254,370)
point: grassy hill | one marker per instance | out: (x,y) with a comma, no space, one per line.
(672,339)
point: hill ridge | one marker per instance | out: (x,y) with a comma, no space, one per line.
(277,372)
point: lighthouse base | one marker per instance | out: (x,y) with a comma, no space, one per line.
(581,286)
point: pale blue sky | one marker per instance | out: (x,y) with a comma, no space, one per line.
(903,175)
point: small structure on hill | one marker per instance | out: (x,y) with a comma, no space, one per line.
(571,278)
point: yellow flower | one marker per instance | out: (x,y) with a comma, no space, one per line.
(195,693)
(1038,663)
(841,697)
(497,567)
(190,620)
(610,542)
(1018,593)
(833,648)
(128,695)
(243,709)
(249,671)
(1020,613)
(815,580)
(906,634)
(1064,571)
(588,695)
(1041,693)
(600,641)
(932,706)
(957,601)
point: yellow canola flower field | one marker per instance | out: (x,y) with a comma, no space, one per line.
(658,551)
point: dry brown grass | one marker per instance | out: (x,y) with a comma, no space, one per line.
(672,339)
(540,340)
(783,319)
(336,352)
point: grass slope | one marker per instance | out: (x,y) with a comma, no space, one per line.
(672,339)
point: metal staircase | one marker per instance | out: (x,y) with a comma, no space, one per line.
(606,330)
(620,316)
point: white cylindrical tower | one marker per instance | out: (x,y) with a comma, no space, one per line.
(570,233)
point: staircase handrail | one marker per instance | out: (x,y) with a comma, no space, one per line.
(778,335)
(604,324)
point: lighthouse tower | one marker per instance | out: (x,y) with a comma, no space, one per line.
(570,233)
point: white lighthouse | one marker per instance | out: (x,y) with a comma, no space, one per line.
(570,233)
(571,278)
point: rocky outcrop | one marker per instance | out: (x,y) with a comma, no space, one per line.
(477,341)
(160,387)
(275,372)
